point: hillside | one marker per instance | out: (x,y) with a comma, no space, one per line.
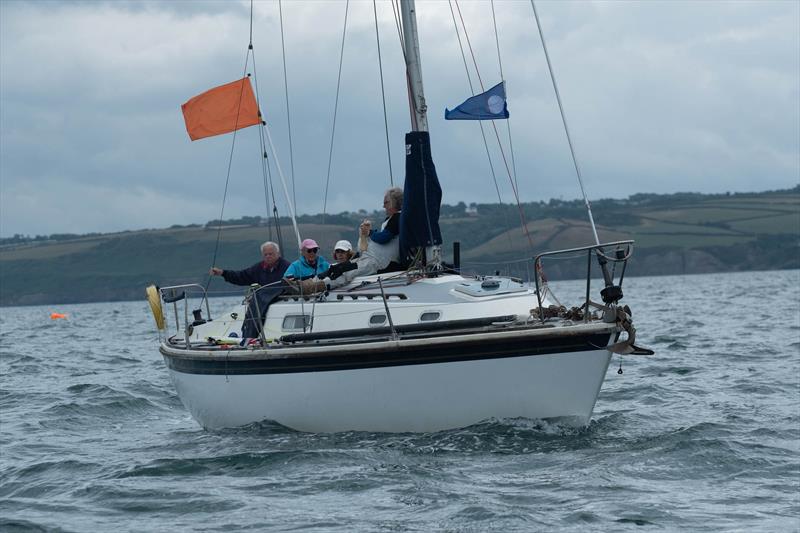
(675,234)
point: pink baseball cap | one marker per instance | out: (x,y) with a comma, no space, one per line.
(308,244)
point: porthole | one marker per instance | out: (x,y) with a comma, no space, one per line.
(378,319)
(296,322)
(430,316)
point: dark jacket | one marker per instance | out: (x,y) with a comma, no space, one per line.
(257,273)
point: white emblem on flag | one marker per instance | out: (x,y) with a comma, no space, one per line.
(495,104)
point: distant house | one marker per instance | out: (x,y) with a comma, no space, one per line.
(471,210)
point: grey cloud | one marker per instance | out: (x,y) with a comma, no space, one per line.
(661,96)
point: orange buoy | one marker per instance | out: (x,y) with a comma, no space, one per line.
(56,316)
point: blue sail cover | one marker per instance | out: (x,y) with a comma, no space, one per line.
(422,197)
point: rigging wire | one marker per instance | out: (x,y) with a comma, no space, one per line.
(480,124)
(265,129)
(288,114)
(472,91)
(266,172)
(399,25)
(335,112)
(564,120)
(383,94)
(230,164)
(503,77)
(497,135)
(265,168)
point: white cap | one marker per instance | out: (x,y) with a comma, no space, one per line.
(343,245)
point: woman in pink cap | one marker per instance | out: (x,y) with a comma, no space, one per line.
(310,263)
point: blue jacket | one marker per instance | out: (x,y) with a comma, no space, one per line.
(391,229)
(300,269)
(257,273)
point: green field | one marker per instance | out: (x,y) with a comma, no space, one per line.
(736,232)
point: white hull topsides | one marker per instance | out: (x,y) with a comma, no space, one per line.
(422,381)
(421,398)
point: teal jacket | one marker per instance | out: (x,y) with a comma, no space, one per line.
(300,269)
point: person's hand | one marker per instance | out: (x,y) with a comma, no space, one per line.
(215,271)
(365,227)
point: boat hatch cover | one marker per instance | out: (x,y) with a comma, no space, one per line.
(490,287)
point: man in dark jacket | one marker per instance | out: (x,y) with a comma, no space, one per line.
(268,272)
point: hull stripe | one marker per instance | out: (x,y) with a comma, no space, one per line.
(400,356)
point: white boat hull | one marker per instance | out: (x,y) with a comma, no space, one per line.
(413,398)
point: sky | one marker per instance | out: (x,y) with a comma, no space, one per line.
(660,97)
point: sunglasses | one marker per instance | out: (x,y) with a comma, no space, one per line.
(312,250)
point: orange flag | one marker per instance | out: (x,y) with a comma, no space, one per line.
(220,110)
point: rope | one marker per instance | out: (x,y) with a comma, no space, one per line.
(288,114)
(564,120)
(383,94)
(335,112)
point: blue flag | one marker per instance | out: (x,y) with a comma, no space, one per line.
(490,105)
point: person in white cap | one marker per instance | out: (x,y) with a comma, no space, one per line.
(343,251)
(310,263)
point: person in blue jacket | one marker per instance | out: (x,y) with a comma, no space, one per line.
(310,263)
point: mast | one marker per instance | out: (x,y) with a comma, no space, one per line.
(416,96)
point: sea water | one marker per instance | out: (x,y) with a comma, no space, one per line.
(702,436)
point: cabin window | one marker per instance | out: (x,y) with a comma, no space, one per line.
(296,322)
(430,316)
(378,319)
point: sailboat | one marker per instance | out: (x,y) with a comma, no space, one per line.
(423,349)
